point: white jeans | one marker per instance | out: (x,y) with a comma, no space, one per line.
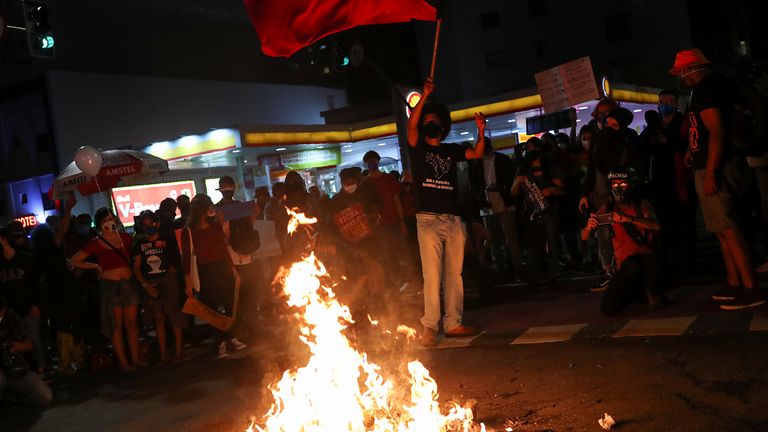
(441,244)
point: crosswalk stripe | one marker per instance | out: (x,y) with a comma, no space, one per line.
(759,322)
(656,327)
(559,333)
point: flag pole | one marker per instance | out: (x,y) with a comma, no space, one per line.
(434,49)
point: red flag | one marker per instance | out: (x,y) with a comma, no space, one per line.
(286,26)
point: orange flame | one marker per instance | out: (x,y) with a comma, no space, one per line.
(298,219)
(339,389)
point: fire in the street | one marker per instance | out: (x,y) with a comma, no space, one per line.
(298,219)
(339,389)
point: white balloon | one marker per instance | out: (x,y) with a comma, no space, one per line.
(88,159)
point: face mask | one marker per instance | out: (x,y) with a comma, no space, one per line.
(151,230)
(350,188)
(109,226)
(620,194)
(228,194)
(372,166)
(433,130)
(666,109)
(82,230)
(563,145)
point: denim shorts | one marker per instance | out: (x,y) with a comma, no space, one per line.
(120,293)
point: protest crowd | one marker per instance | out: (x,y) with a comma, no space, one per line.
(79,292)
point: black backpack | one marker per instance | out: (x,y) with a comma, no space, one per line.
(749,121)
(242,237)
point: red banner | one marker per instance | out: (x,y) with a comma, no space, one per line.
(132,200)
(286,26)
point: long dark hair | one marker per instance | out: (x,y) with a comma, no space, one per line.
(100,215)
(198,209)
(527,164)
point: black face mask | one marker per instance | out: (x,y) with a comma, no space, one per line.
(228,194)
(620,195)
(433,130)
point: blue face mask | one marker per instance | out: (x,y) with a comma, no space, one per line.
(666,109)
(82,230)
(150,230)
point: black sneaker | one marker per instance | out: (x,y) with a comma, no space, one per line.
(749,298)
(728,293)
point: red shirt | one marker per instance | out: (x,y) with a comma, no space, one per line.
(108,258)
(210,244)
(623,245)
(387,188)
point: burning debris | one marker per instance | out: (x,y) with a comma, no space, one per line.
(606,422)
(339,389)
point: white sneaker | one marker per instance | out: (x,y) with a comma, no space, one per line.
(236,344)
(222,351)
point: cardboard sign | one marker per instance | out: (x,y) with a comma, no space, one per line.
(196,308)
(131,201)
(353,223)
(567,85)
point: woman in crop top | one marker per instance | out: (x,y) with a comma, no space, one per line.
(119,292)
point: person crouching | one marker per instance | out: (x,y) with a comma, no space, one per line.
(633,225)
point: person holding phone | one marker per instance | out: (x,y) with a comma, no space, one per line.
(119,292)
(634,225)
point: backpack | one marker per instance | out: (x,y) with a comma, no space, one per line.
(749,121)
(242,237)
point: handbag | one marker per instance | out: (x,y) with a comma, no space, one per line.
(184,240)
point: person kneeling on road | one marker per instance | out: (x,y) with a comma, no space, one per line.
(633,224)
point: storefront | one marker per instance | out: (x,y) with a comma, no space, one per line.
(261,155)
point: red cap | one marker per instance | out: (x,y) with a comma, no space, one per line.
(688,58)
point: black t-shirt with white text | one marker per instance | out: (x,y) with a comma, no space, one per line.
(434,177)
(157,256)
(714,91)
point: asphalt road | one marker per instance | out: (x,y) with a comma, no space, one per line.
(546,362)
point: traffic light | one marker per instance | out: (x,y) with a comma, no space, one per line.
(39,30)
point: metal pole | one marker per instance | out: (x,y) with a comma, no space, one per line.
(434,49)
